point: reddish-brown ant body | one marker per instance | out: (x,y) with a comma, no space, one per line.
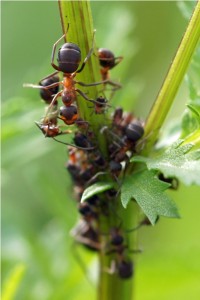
(107,61)
(68,58)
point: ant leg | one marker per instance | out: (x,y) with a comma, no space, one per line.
(35,86)
(84,96)
(95,177)
(53,52)
(48,76)
(118,60)
(67,144)
(107,81)
(107,130)
(52,103)
(88,55)
(54,49)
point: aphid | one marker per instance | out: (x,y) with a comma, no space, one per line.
(107,61)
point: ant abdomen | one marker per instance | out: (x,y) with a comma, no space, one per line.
(125,269)
(69,57)
(47,95)
(69,114)
(134,131)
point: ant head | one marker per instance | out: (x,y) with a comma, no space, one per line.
(69,114)
(69,57)
(116,238)
(134,131)
(48,130)
(106,58)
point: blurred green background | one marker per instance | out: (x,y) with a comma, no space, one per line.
(37,202)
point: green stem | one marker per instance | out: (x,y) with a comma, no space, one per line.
(173,80)
(193,138)
(78,15)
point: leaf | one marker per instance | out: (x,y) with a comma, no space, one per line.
(148,191)
(12,283)
(177,162)
(96,188)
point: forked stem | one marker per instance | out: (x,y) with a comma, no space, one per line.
(173,80)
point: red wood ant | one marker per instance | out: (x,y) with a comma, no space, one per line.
(123,266)
(107,61)
(69,58)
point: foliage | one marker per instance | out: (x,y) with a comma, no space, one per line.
(176,161)
(148,191)
(95,189)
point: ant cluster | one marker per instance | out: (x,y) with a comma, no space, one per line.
(87,163)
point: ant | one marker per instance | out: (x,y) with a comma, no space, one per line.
(100,105)
(85,234)
(69,58)
(107,61)
(123,266)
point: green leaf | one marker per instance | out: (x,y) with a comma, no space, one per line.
(12,283)
(148,191)
(177,162)
(96,188)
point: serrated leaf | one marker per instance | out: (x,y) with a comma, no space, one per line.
(177,162)
(95,189)
(148,191)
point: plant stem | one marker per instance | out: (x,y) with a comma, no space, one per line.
(173,80)
(78,15)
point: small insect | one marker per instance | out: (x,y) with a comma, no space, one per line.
(123,266)
(134,131)
(82,141)
(100,105)
(86,235)
(68,58)
(47,95)
(107,61)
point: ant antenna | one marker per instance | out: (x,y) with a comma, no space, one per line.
(81,148)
